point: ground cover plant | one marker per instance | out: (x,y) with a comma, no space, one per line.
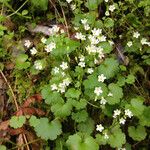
(74,74)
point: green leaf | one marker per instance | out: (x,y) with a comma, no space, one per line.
(75,142)
(93,4)
(144,119)
(117,138)
(138,133)
(108,22)
(130,79)
(137,106)
(41,4)
(48,130)
(2,147)
(117,94)
(34,121)
(87,126)
(72,93)
(21,62)
(17,121)
(109,68)
(100,139)
(80,116)
(61,110)
(24,12)
(51,97)
(107,48)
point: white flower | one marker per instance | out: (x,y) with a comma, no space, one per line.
(90,70)
(81,64)
(54,30)
(98,91)
(128,113)
(33,51)
(63,74)
(136,34)
(64,65)
(27,43)
(62,31)
(102,38)
(99,128)
(101,78)
(61,87)
(84,21)
(50,47)
(103,101)
(111,43)
(117,112)
(112,8)
(107,13)
(38,65)
(73,6)
(56,70)
(106,136)
(82,58)
(66,81)
(68,1)
(122,121)
(96,32)
(76,28)
(129,43)
(80,36)
(54,87)
(106,1)
(86,27)
(144,41)
(110,94)
(91,49)
(43,40)
(93,39)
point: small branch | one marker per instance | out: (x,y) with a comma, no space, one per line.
(13,95)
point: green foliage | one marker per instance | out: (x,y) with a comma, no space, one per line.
(80,116)
(22,62)
(2,147)
(137,133)
(72,93)
(17,121)
(109,67)
(116,92)
(76,142)
(48,130)
(42,4)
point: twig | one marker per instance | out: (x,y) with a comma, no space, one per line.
(64,19)
(18,9)
(13,95)
(26,142)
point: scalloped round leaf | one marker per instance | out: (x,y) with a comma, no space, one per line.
(130,79)
(100,139)
(34,121)
(116,92)
(48,130)
(86,127)
(21,62)
(108,22)
(117,139)
(72,93)
(17,121)
(75,142)
(80,116)
(144,119)
(107,48)
(137,106)
(109,68)
(51,97)
(138,133)
(61,110)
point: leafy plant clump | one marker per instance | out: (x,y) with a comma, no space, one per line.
(74,74)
